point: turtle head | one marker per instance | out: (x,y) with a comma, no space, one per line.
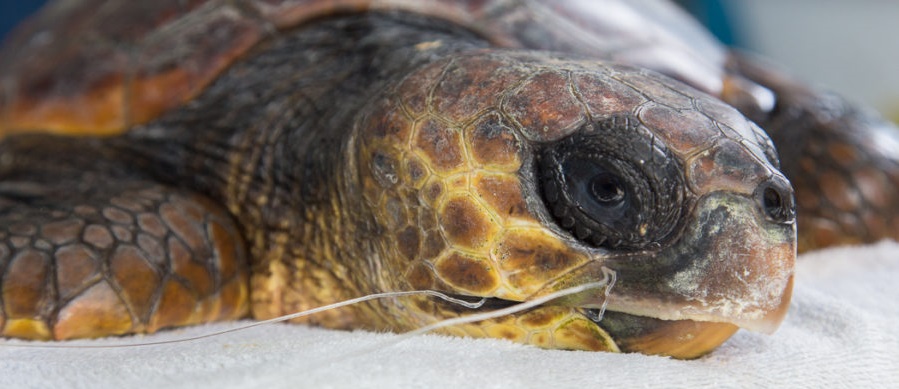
(509,176)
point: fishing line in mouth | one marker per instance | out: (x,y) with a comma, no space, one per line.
(607,283)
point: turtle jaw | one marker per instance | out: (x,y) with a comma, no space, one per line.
(681,339)
(731,265)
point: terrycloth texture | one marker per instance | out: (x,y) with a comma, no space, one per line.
(841,332)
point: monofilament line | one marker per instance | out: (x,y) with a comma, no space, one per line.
(608,282)
(375,296)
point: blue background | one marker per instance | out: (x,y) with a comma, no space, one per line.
(13,11)
(709,12)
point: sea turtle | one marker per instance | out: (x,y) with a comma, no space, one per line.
(176,162)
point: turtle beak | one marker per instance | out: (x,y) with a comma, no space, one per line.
(731,264)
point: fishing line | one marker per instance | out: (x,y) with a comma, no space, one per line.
(607,282)
(375,296)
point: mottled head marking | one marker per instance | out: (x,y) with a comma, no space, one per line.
(511,175)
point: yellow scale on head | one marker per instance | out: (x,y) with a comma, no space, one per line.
(470,231)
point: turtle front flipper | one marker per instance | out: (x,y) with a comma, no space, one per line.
(89,249)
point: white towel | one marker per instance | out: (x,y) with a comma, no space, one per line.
(842,331)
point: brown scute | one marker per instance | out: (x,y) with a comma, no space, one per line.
(493,143)
(420,276)
(416,171)
(166,77)
(874,186)
(383,169)
(434,244)
(471,85)
(604,96)
(836,189)
(130,203)
(819,232)
(23,229)
(151,224)
(682,131)
(726,115)
(75,264)
(394,212)
(25,284)
(433,191)
(19,241)
(96,312)
(467,273)
(98,236)
(63,231)
(844,154)
(175,308)
(197,275)
(117,216)
(229,250)
(415,89)
(84,210)
(545,107)
(503,193)
(188,230)
(138,280)
(390,124)
(153,247)
(727,166)
(440,144)
(234,298)
(535,254)
(70,91)
(79,84)
(661,89)
(122,234)
(408,241)
(465,223)
(807,198)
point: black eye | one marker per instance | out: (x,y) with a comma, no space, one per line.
(607,189)
(612,187)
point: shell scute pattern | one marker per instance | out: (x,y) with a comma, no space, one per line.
(493,143)
(465,168)
(544,107)
(112,268)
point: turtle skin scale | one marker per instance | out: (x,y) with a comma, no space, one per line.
(313,159)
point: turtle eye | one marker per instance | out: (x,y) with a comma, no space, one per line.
(611,187)
(607,189)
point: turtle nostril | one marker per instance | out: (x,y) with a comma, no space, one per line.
(777,202)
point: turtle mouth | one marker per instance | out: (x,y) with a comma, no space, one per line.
(683,339)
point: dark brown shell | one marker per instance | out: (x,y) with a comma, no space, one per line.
(94,67)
